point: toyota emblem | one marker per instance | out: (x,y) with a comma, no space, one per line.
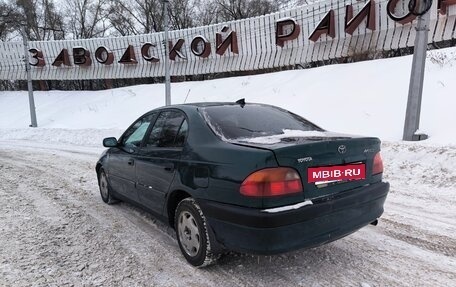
(342,149)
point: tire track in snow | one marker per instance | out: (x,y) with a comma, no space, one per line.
(131,248)
(128,222)
(419,237)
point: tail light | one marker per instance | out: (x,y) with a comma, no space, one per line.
(378,164)
(272,182)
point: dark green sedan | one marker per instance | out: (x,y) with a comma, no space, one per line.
(244,177)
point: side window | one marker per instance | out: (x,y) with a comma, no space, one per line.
(155,133)
(166,130)
(135,134)
(181,135)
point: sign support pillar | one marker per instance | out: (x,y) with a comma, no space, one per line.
(34,123)
(412,116)
(167,72)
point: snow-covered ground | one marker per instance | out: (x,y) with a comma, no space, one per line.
(363,98)
(55,231)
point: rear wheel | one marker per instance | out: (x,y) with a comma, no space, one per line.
(193,234)
(105,190)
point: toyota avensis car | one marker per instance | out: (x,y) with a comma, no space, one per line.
(244,177)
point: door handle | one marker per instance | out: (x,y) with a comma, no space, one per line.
(169,167)
(131,161)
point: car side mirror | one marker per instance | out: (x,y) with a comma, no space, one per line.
(110,142)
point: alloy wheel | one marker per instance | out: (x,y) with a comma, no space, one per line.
(189,234)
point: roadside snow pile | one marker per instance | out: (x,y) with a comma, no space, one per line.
(366,98)
(78,137)
(422,165)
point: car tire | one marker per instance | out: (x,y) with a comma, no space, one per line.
(193,236)
(105,189)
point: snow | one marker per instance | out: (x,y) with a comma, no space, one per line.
(57,232)
(365,98)
(284,19)
(288,134)
(79,137)
(288,207)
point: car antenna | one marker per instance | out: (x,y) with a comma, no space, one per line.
(185,101)
(241,102)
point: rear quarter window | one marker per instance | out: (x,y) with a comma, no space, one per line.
(169,130)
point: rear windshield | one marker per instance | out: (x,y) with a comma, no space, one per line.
(233,122)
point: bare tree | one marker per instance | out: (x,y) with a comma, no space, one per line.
(183,13)
(131,17)
(40,19)
(239,9)
(136,16)
(87,18)
(8,19)
(206,12)
(122,21)
(53,21)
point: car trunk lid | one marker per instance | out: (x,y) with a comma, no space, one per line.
(320,152)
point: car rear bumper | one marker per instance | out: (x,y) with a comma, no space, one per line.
(255,231)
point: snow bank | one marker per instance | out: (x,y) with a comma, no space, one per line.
(366,98)
(71,137)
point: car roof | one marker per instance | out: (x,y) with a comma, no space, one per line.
(195,106)
(215,104)
(211,104)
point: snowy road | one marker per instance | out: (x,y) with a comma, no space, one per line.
(55,231)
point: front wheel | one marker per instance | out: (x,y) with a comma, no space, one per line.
(193,234)
(105,190)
